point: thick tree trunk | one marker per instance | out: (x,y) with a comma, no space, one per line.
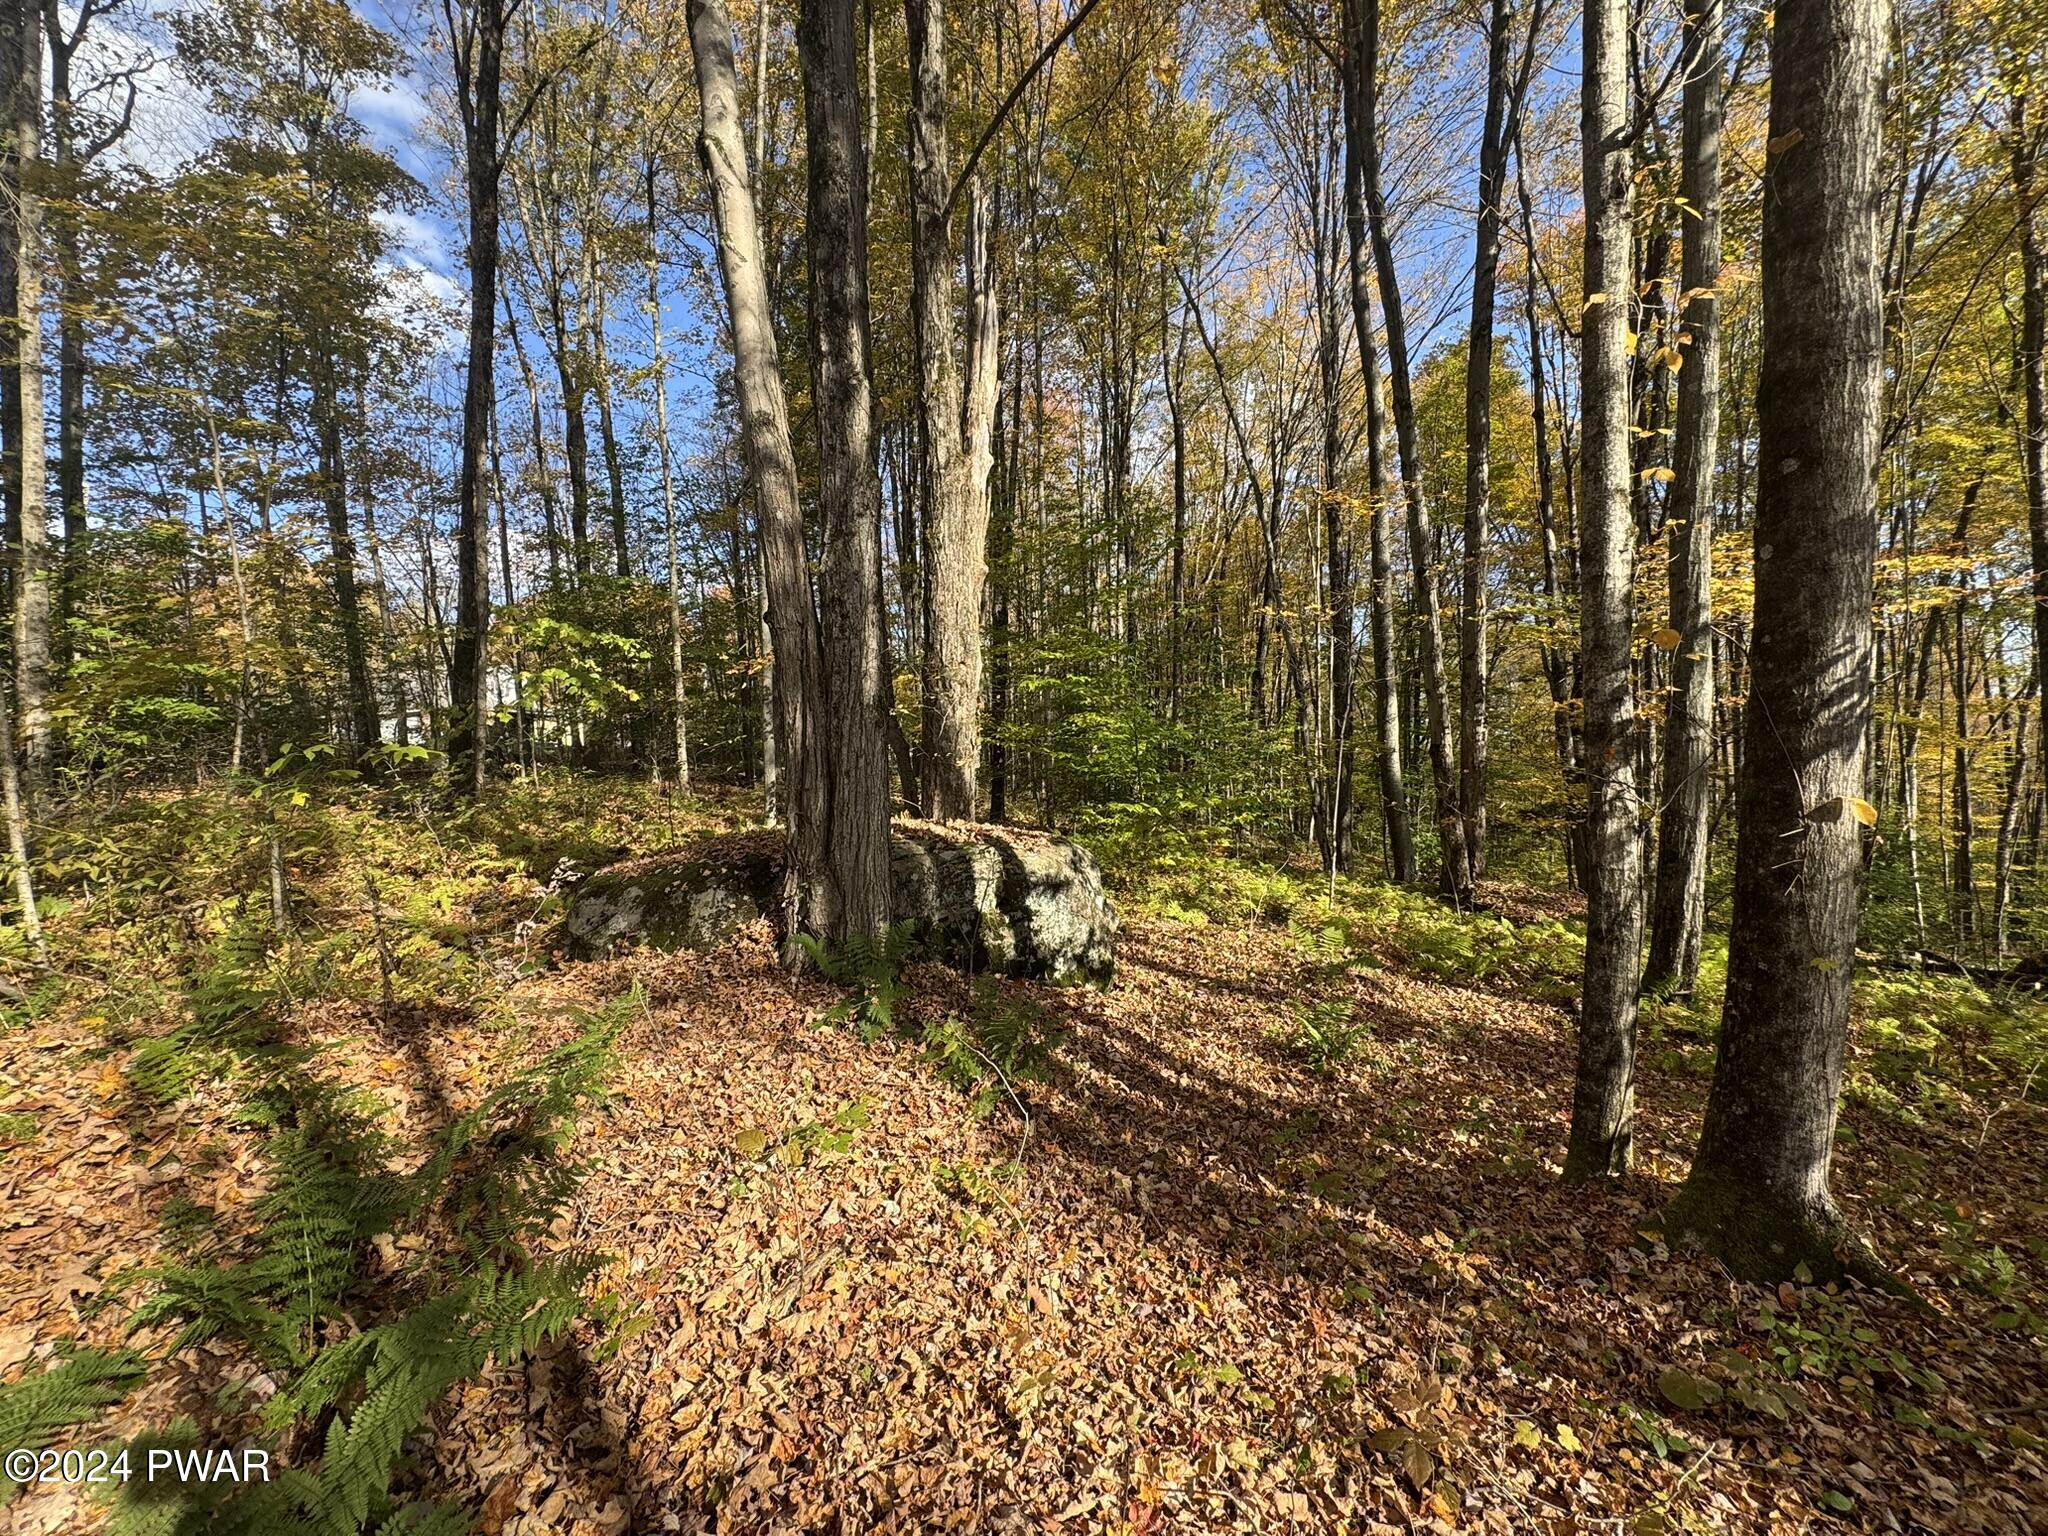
(21,74)
(1603,1098)
(1457,870)
(764,417)
(956,445)
(854,900)
(1758,1192)
(479,36)
(1678,911)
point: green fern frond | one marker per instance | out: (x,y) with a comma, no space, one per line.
(36,1407)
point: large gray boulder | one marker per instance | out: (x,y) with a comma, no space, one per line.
(983,898)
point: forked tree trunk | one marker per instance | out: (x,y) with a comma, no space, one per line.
(1758,1192)
(1678,911)
(1603,1097)
(764,421)
(854,899)
(1380,595)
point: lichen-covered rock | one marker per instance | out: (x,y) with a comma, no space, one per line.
(983,898)
(670,901)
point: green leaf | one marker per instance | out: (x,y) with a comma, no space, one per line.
(1686,1390)
(751,1142)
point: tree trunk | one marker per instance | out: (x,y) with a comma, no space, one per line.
(550,513)
(71,158)
(1556,657)
(17,835)
(26,461)
(1364,60)
(341,550)
(2033,360)
(668,495)
(1603,1099)
(1502,102)
(2008,827)
(1678,911)
(608,437)
(1758,1193)
(764,417)
(478,36)
(956,465)
(854,900)
(1380,597)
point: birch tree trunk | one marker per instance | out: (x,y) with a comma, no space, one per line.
(1603,1097)
(17,835)
(771,458)
(26,457)
(1758,1195)
(1678,910)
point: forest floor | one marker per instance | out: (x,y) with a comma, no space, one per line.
(1192,1280)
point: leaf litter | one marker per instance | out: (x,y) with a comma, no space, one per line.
(1185,1284)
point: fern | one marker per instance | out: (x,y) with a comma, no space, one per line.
(1004,1042)
(494,1181)
(37,1407)
(329,1192)
(873,969)
(1326,1034)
